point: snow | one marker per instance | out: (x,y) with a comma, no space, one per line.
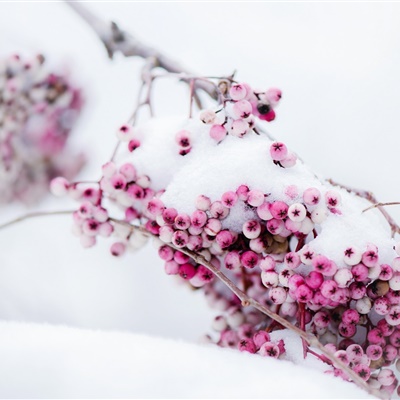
(63,362)
(212,169)
(339,113)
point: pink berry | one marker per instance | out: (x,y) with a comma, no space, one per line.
(332,199)
(251,229)
(198,218)
(269,278)
(273,96)
(247,345)
(239,128)
(155,207)
(187,271)
(208,116)
(263,211)
(279,209)
(129,171)
(360,272)
(297,212)
(343,277)
(347,330)
(277,295)
(278,151)
(322,319)
(179,238)
(260,337)
(303,294)
(370,256)
(218,132)
(133,145)
(182,138)
(267,264)
(311,196)
(363,371)
(125,133)
(242,109)
(171,267)
(374,352)
(242,192)
(229,199)
(203,203)
(169,215)
(166,253)
(225,239)
(386,377)
(269,349)
(217,210)
(275,226)
(314,280)
(249,259)
(59,186)
(292,260)
(212,227)
(352,255)
(238,91)
(232,260)
(182,221)
(117,249)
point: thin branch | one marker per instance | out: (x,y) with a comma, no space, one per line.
(117,40)
(246,301)
(391,203)
(34,215)
(371,198)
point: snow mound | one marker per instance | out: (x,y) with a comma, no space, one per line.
(47,361)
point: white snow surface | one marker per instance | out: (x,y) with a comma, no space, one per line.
(45,361)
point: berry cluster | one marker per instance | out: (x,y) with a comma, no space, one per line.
(241,106)
(266,240)
(37,112)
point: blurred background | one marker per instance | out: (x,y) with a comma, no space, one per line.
(338,66)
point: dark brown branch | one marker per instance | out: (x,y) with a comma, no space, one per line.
(117,40)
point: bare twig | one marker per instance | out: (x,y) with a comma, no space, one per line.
(371,198)
(34,215)
(391,203)
(117,40)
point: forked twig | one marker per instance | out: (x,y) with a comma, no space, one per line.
(375,204)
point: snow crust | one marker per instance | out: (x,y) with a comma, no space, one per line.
(213,168)
(47,361)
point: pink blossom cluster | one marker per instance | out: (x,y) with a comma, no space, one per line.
(37,112)
(240,108)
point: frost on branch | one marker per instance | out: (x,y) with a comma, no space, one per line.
(219,186)
(37,112)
